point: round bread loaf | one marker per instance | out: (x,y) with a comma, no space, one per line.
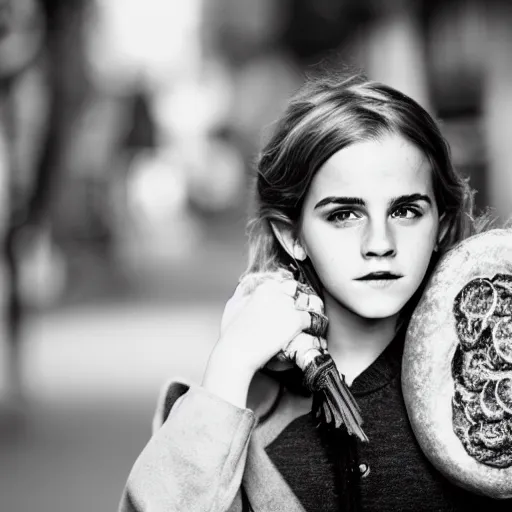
(457,365)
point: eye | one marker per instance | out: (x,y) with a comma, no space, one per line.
(339,216)
(406,212)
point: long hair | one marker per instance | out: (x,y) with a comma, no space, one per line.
(331,112)
(328,113)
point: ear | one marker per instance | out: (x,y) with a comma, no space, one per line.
(286,237)
(443,230)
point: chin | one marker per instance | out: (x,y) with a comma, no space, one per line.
(378,313)
(370,306)
(377,310)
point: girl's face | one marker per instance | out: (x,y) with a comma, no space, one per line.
(371,208)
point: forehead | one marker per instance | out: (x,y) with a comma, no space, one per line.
(383,168)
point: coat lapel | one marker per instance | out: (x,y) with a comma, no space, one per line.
(265,486)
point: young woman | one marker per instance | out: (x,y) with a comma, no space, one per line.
(355,191)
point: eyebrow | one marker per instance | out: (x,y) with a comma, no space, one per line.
(409,198)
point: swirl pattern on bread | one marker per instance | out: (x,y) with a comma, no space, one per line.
(482,370)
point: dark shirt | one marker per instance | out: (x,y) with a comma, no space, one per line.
(394,473)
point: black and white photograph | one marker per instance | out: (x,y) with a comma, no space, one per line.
(255,255)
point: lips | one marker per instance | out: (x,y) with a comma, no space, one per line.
(381,275)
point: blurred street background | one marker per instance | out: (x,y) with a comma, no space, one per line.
(128,133)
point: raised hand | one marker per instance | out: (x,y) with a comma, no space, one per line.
(259,321)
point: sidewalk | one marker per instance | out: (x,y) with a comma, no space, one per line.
(93,375)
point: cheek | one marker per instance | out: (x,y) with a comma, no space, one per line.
(416,243)
(416,250)
(332,253)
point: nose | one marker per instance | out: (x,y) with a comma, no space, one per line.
(378,241)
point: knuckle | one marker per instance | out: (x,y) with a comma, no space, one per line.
(267,288)
(261,291)
(316,304)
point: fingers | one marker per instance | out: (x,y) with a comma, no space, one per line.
(316,304)
(289,287)
(305,319)
(304,343)
(303,293)
(303,349)
(250,282)
(286,286)
(305,300)
(302,301)
(301,343)
(309,302)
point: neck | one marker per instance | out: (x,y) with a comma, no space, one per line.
(355,342)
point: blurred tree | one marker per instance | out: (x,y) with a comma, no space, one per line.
(20,44)
(456,42)
(314,28)
(45,35)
